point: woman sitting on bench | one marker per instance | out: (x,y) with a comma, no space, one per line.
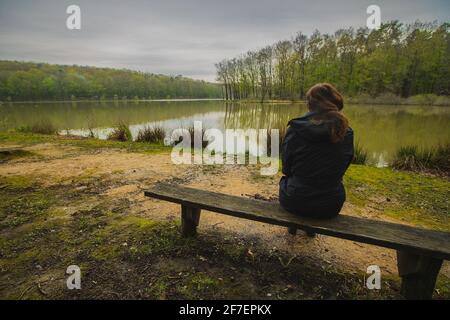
(316,152)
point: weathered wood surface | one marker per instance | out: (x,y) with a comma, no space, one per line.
(419,274)
(431,243)
(190,218)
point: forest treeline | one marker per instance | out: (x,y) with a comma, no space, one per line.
(41,81)
(397,59)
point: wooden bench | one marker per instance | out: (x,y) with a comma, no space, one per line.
(420,252)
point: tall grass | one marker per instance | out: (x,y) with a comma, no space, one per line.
(91,124)
(149,134)
(434,159)
(91,134)
(120,133)
(41,127)
(359,155)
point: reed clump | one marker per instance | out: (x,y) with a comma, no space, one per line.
(120,133)
(359,154)
(44,126)
(432,159)
(151,134)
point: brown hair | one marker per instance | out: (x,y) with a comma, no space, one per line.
(324,99)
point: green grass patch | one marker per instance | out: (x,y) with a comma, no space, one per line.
(15,182)
(202,282)
(408,196)
(20,202)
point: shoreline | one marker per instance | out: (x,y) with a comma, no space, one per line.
(383,99)
(420,101)
(112,100)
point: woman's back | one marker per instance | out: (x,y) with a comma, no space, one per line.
(309,154)
(314,163)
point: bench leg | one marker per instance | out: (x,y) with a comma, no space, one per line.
(418,274)
(190,218)
(292,230)
(310,234)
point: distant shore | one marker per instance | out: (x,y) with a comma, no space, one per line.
(386,99)
(112,100)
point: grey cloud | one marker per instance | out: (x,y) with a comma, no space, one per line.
(179,36)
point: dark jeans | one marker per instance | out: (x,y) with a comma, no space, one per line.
(319,207)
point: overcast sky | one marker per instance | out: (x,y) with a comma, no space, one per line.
(179,36)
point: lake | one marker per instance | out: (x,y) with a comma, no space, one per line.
(380,130)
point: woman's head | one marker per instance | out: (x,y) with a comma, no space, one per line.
(327,102)
(323,97)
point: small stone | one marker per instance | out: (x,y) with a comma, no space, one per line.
(288,288)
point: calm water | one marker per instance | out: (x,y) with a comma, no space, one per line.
(378,129)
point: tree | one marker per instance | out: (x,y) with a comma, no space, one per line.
(398,59)
(34,81)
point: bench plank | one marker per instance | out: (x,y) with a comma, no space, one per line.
(431,243)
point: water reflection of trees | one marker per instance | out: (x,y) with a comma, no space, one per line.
(82,115)
(380,130)
(260,116)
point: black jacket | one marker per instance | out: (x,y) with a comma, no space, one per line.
(313,168)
